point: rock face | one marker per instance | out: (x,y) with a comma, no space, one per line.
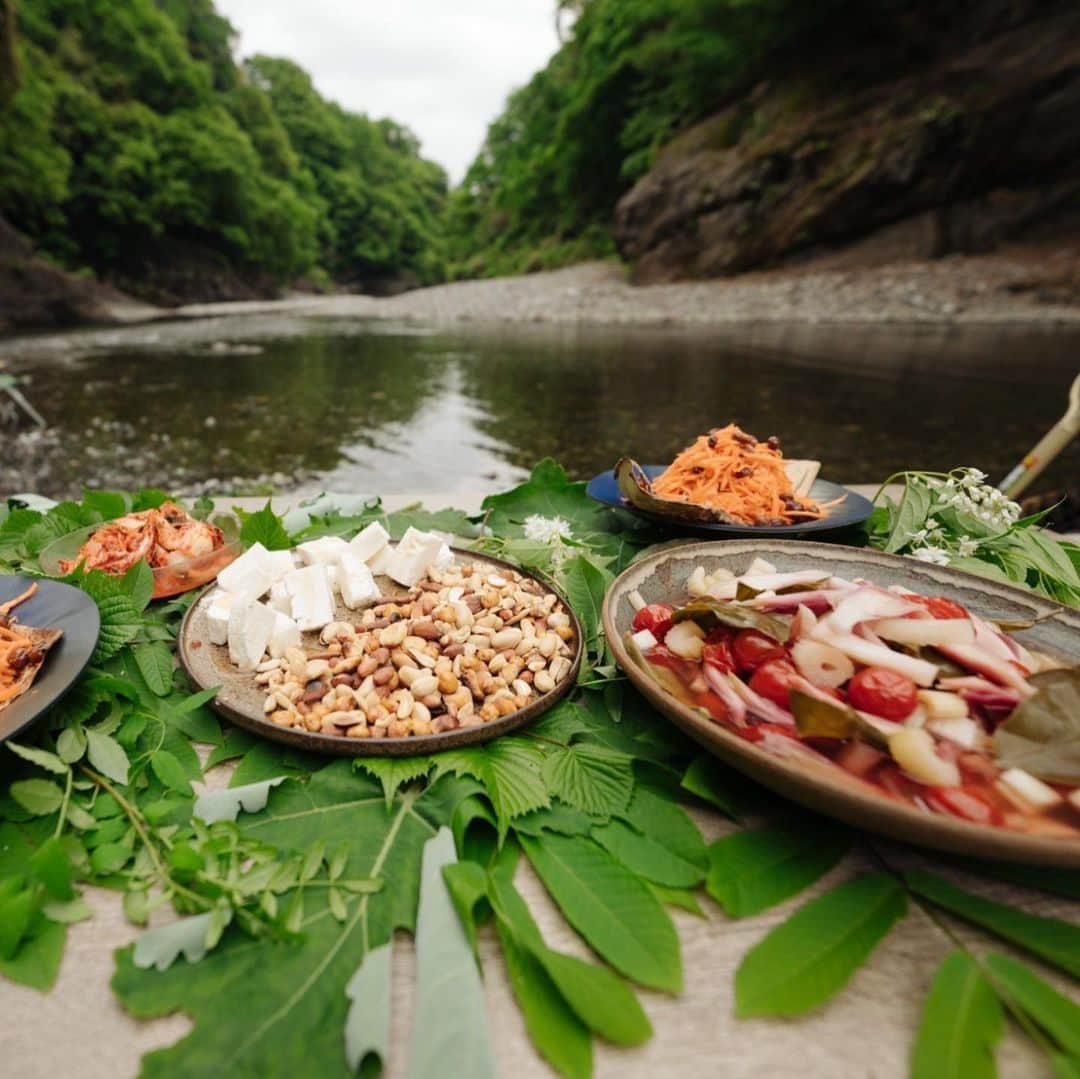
(975,142)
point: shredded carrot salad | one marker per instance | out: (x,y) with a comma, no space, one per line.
(15,647)
(732,471)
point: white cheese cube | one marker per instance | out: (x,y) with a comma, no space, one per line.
(411,560)
(325,551)
(279,598)
(355,581)
(283,562)
(217,616)
(285,634)
(250,626)
(962,730)
(1027,791)
(444,559)
(380,562)
(368,542)
(644,640)
(941,705)
(312,600)
(251,575)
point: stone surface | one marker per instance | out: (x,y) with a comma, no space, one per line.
(966,132)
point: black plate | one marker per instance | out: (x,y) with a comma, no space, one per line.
(53,606)
(852,511)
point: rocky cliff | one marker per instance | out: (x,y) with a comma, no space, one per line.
(950,130)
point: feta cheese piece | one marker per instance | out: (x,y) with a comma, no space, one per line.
(325,551)
(283,562)
(333,575)
(380,563)
(285,634)
(250,626)
(368,542)
(355,581)
(962,730)
(644,640)
(279,598)
(312,600)
(251,575)
(444,559)
(413,556)
(217,616)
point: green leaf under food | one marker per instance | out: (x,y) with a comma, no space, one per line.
(709,613)
(41,757)
(585,584)
(37,962)
(1055,941)
(1058,1016)
(592,778)
(120,622)
(265,527)
(910,514)
(170,772)
(367,1024)
(155,663)
(721,787)
(107,756)
(138,585)
(37,796)
(751,871)
(610,907)
(1044,878)
(546,493)
(161,947)
(392,772)
(961,1024)
(449,1028)
(1042,736)
(807,959)
(683,898)
(646,857)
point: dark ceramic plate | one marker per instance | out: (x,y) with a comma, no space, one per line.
(852,511)
(824,787)
(53,606)
(241,700)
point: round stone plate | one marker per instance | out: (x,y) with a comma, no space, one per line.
(826,788)
(241,700)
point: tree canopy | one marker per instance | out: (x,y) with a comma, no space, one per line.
(128,122)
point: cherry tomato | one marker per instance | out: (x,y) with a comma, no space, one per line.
(718,654)
(751,649)
(882,692)
(772,681)
(964,802)
(656,618)
(940,607)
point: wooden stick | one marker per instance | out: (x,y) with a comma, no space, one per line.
(1047,448)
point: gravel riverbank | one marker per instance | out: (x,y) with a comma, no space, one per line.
(1019,286)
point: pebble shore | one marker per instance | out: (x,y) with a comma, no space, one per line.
(1003,288)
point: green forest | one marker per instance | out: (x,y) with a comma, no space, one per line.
(127,126)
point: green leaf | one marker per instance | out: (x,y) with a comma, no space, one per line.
(754,870)
(914,506)
(1042,735)
(120,622)
(560,1037)
(109,858)
(1053,940)
(367,1024)
(598,996)
(647,857)
(585,584)
(721,787)
(1045,878)
(50,865)
(16,910)
(107,756)
(167,768)
(1055,1013)
(683,898)
(807,959)
(138,585)
(961,1024)
(41,757)
(215,805)
(155,663)
(263,527)
(547,493)
(449,1032)
(70,912)
(510,771)
(37,796)
(594,779)
(71,744)
(37,963)
(610,907)
(392,772)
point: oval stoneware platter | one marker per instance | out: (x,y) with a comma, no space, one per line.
(820,784)
(240,699)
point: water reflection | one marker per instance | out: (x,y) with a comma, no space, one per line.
(333,403)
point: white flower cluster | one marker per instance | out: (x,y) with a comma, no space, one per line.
(547,529)
(967,491)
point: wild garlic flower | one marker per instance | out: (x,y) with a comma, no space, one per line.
(931,554)
(966,546)
(547,529)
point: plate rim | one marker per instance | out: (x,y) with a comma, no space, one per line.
(422,745)
(719,528)
(38,711)
(844,800)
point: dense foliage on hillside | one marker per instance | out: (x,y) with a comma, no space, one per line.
(126,126)
(630,74)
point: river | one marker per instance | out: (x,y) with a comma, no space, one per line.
(303,403)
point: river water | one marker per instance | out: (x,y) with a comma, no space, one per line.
(297,403)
